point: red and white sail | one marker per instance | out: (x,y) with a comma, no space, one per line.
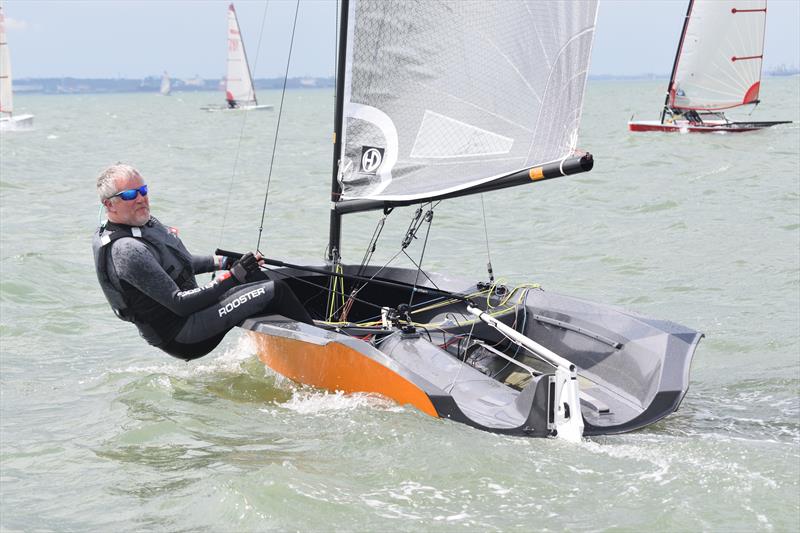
(238,82)
(718,65)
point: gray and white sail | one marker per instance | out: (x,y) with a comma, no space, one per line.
(443,96)
(718,64)
(238,82)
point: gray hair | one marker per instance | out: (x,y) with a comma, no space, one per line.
(107,180)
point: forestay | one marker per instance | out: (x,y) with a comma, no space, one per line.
(718,65)
(238,83)
(443,96)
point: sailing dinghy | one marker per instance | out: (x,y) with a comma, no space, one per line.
(240,93)
(166,85)
(437,100)
(8,120)
(717,67)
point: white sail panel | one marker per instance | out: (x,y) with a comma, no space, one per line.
(442,96)
(441,136)
(238,83)
(6,95)
(719,60)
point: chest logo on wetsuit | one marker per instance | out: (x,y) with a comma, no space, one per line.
(246,297)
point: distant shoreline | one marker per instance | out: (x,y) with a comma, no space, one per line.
(152,84)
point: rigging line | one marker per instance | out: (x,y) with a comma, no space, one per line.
(241,131)
(486,234)
(322,288)
(373,243)
(429,219)
(278,125)
(365,283)
(420,268)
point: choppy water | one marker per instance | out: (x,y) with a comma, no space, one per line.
(100,431)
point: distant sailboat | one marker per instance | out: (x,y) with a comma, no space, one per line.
(717,67)
(166,85)
(8,121)
(239,90)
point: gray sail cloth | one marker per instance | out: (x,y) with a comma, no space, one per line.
(441,96)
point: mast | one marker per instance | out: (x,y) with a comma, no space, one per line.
(677,58)
(335,231)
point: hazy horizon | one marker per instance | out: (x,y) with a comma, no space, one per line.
(136,39)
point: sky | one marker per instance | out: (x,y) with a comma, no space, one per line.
(187,38)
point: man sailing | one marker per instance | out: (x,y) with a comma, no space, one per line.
(148,276)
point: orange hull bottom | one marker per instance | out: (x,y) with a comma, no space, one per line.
(336,367)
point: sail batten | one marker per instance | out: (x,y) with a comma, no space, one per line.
(448,96)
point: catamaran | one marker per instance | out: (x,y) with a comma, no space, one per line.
(437,100)
(240,93)
(717,67)
(8,120)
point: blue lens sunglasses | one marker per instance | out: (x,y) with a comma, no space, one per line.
(131,194)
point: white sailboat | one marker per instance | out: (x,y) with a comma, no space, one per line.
(436,100)
(717,67)
(166,85)
(8,120)
(240,94)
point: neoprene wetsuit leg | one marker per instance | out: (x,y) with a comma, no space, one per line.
(205,329)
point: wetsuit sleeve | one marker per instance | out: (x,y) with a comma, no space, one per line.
(138,265)
(204,263)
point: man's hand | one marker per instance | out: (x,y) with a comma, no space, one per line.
(248,264)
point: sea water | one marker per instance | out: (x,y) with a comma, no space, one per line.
(101,432)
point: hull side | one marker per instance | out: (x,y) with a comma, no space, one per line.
(733,127)
(15,123)
(336,367)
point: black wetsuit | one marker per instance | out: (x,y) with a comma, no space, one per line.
(169,308)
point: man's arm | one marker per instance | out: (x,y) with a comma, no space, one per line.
(206,263)
(136,264)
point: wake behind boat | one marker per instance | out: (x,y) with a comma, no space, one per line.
(8,120)
(415,126)
(717,67)
(240,93)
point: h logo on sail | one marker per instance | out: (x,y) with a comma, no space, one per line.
(371,159)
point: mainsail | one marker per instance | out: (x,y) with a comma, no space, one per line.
(238,83)
(445,96)
(6,95)
(718,64)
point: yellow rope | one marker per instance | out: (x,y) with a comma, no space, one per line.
(336,281)
(500,309)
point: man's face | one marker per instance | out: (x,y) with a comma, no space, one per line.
(134,212)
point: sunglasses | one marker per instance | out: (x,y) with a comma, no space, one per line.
(131,194)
